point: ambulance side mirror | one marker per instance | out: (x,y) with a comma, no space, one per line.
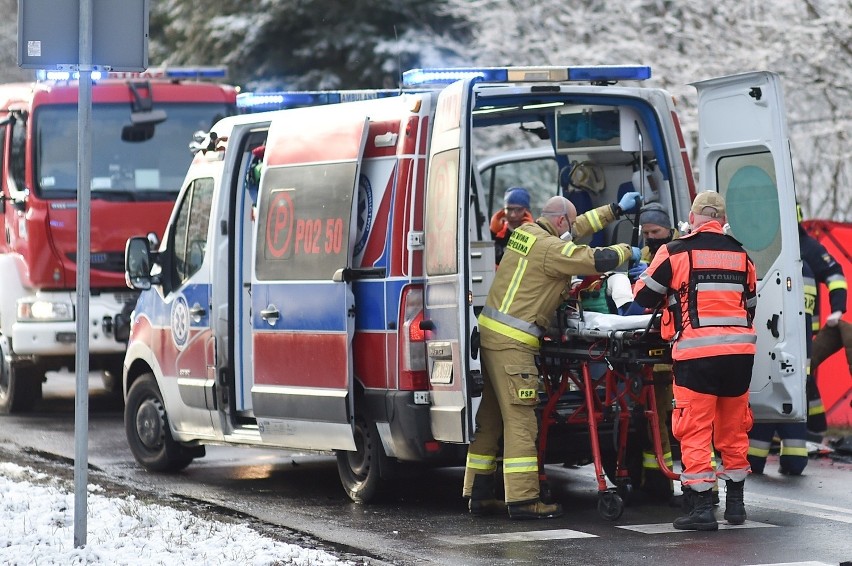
(138,260)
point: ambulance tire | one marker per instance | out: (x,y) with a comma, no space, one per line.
(147,428)
(20,386)
(361,471)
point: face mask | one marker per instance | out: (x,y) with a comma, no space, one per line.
(567,236)
(656,243)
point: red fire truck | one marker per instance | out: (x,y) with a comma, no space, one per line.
(137,169)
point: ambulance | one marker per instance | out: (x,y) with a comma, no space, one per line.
(320,275)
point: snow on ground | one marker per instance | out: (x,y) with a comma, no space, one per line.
(37,527)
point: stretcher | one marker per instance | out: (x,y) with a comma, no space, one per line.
(597,373)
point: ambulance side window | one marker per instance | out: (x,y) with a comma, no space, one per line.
(190,231)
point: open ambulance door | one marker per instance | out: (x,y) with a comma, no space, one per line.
(744,154)
(448,309)
(302,303)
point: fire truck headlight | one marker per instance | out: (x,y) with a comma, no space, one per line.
(38,310)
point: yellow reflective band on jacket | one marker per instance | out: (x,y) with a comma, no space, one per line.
(521,241)
(836,283)
(622,253)
(508,331)
(520,465)
(594,220)
(517,277)
(481,462)
(568,249)
(815,407)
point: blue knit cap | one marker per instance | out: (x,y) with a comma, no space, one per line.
(517,196)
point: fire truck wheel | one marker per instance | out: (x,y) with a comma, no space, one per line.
(147,427)
(20,386)
(360,471)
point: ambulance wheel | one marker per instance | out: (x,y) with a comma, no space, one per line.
(610,505)
(147,427)
(20,386)
(360,471)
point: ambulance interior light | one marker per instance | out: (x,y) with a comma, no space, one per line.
(595,73)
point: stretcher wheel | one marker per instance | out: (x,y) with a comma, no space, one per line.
(610,505)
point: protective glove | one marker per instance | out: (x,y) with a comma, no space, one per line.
(637,254)
(629,202)
(833,318)
(637,270)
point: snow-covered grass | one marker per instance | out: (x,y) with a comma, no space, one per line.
(37,518)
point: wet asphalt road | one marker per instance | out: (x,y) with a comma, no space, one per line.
(791,520)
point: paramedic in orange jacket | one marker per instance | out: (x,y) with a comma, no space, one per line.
(527,289)
(708,283)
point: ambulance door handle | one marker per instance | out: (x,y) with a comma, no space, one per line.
(772,325)
(426,324)
(197,312)
(270,314)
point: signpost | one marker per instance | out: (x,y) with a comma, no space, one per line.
(109,35)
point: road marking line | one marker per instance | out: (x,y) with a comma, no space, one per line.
(808,563)
(659,528)
(520,536)
(818,510)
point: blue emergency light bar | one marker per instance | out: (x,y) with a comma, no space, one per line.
(151,73)
(248,102)
(596,73)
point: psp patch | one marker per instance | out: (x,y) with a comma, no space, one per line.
(180,322)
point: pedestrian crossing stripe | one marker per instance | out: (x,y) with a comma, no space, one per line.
(519,536)
(660,528)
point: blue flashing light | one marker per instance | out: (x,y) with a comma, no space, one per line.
(194,72)
(416,77)
(599,73)
(263,101)
(54,75)
(607,73)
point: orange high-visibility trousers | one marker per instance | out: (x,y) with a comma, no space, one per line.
(700,419)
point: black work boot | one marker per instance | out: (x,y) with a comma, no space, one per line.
(701,517)
(482,499)
(534,510)
(735,512)
(688,501)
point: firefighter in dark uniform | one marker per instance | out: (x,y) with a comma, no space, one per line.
(527,289)
(708,283)
(817,267)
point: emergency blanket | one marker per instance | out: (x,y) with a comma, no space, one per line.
(833,379)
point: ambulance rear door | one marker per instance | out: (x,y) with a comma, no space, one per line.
(302,303)
(448,320)
(744,154)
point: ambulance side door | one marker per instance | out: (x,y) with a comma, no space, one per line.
(448,319)
(302,305)
(744,153)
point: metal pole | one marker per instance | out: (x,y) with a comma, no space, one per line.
(84,186)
